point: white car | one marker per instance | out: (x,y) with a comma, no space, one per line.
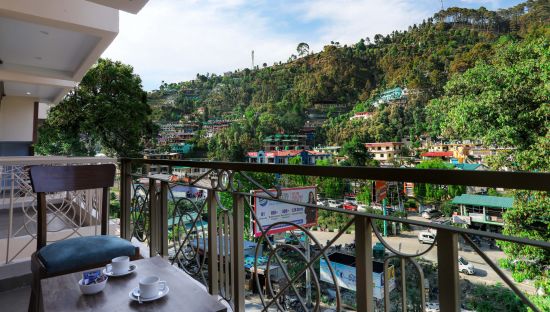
(334,203)
(465,267)
(426,237)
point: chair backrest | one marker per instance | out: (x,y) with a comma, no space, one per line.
(49,179)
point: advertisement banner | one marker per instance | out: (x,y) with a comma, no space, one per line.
(380,190)
(271,211)
(346,277)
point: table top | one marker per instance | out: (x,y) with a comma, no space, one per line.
(62,293)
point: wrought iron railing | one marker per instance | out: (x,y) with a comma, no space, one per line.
(69,214)
(204,235)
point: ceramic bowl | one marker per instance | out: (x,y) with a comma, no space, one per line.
(92,288)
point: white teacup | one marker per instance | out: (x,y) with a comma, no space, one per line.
(119,265)
(149,286)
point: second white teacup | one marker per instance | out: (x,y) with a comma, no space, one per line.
(119,265)
(150,286)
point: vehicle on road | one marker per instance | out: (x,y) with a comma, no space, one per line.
(362,207)
(465,267)
(349,206)
(333,203)
(431,213)
(351,199)
(426,237)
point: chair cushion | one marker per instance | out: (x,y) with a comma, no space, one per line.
(74,253)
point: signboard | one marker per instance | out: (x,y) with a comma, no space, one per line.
(271,211)
(346,277)
(379,191)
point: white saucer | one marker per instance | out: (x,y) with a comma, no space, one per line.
(134,294)
(131,269)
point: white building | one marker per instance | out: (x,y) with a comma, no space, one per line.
(384,151)
(46,47)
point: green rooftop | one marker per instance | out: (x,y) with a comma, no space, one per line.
(484,201)
(467,166)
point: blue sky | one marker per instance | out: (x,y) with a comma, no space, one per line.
(173,40)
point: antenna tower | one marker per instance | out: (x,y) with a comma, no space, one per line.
(252,59)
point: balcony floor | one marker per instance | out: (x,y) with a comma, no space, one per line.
(17,299)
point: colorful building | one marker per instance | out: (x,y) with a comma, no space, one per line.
(283,157)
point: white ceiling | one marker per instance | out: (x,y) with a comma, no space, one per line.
(29,44)
(46,47)
(44,93)
(130,6)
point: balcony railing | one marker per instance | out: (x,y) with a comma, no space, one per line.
(68,213)
(204,235)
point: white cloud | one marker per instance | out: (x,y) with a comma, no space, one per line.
(349,20)
(174,40)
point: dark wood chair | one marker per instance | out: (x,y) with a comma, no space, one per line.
(79,253)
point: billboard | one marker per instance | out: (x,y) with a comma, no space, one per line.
(346,276)
(271,211)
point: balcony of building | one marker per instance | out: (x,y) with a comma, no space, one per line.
(212,228)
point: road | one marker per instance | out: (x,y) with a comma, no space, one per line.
(407,242)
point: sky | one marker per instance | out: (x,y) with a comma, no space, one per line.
(173,40)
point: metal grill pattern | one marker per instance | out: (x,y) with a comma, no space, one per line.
(69,213)
(224,274)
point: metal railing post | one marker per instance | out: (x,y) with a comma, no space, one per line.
(163,222)
(237,253)
(125,199)
(154,219)
(213,286)
(447,271)
(363,252)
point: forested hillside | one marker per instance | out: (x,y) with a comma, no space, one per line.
(455,45)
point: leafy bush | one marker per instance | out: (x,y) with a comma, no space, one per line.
(493,298)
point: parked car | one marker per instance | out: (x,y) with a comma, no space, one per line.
(350,199)
(333,203)
(426,237)
(465,267)
(362,207)
(431,213)
(349,206)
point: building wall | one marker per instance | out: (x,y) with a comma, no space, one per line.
(16,119)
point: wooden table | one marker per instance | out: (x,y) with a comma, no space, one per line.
(61,293)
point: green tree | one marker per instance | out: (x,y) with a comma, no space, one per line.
(502,102)
(357,152)
(529,218)
(434,192)
(365,194)
(107,112)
